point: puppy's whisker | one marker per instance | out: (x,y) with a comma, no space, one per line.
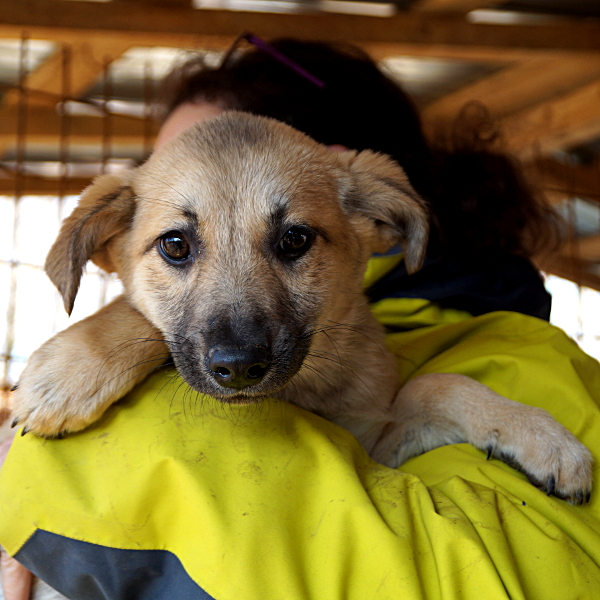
(123,347)
(176,391)
(136,376)
(347,365)
(149,359)
(186,402)
(169,381)
(341,375)
(350,326)
(163,356)
(335,345)
(184,338)
(342,327)
(111,356)
(324,353)
(299,375)
(322,329)
(374,327)
(360,329)
(318,372)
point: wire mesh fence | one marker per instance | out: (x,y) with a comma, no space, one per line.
(54,143)
(39,182)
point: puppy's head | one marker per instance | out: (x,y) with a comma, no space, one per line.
(237,240)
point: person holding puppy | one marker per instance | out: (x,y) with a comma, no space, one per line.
(475,308)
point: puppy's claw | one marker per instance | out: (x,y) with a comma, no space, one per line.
(14,423)
(15,387)
(588,496)
(550,485)
(490,451)
(24,431)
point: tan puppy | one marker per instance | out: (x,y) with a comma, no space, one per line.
(242,244)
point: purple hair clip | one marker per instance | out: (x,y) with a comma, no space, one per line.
(265,47)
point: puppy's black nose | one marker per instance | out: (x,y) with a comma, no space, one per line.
(238,367)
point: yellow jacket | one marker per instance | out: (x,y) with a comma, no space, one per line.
(174,496)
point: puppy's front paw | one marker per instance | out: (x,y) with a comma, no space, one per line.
(553,459)
(57,392)
(69,382)
(446,408)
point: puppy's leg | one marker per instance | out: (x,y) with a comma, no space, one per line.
(438,409)
(76,375)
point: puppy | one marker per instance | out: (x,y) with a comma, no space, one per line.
(241,246)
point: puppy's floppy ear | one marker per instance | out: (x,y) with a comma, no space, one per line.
(379,189)
(105,209)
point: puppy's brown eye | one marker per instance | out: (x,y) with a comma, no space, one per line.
(295,242)
(174,247)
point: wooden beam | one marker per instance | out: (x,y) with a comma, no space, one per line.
(560,123)
(573,269)
(40,186)
(554,197)
(44,127)
(84,62)
(565,180)
(460,6)
(584,248)
(516,87)
(379,50)
(63,35)
(39,16)
(152,3)
(498,55)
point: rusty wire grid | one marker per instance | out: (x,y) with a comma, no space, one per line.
(32,309)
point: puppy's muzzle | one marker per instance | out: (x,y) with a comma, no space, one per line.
(238,367)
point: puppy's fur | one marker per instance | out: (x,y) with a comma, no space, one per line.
(242,244)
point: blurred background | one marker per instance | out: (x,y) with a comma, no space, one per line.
(78,80)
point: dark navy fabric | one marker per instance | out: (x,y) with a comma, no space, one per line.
(478,285)
(83,571)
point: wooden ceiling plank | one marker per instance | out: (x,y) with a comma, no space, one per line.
(379,50)
(40,186)
(44,126)
(456,6)
(564,180)
(406,27)
(553,197)
(500,56)
(560,123)
(133,38)
(570,268)
(585,248)
(517,87)
(86,63)
(153,3)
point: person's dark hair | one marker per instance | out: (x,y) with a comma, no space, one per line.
(479,198)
